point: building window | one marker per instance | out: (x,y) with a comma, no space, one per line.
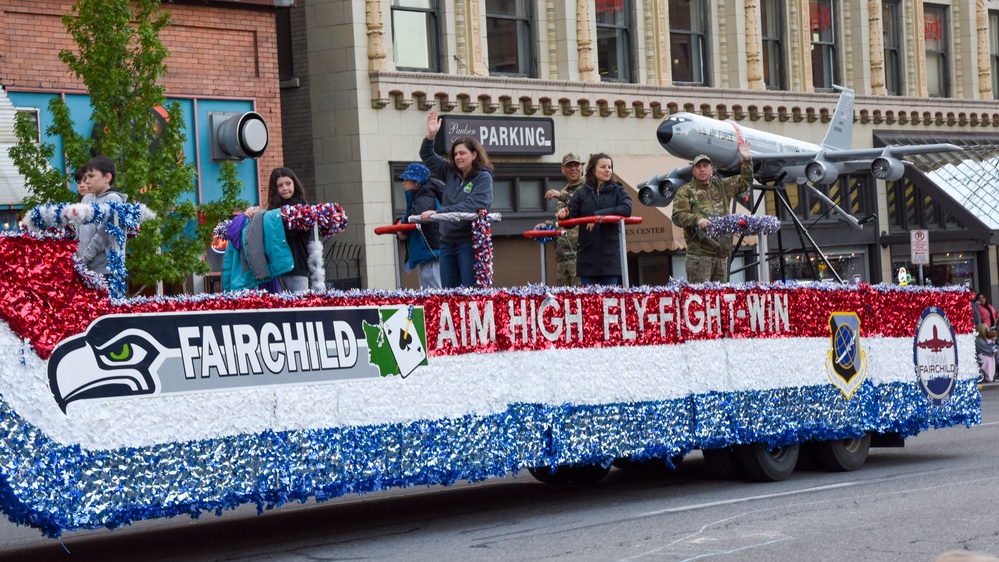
(688,40)
(937,66)
(32,114)
(890,18)
(772,27)
(994,51)
(510,36)
(823,25)
(614,40)
(416,34)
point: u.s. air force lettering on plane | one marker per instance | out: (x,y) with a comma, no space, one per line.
(142,354)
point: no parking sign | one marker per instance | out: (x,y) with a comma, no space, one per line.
(919,241)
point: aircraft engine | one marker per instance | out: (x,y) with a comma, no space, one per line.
(887,168)
(669,187)
(821,172)
(658,191)
(650,197)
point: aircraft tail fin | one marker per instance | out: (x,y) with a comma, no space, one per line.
(840,133)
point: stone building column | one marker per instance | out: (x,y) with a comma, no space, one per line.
(799,46)
(984,55)
(874,13)
(469,38)
(584,41)
(754,61)
(660,52)
(376,42)
(918,35)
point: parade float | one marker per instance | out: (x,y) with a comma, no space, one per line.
(121,409)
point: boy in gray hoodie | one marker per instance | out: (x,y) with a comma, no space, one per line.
(99,174)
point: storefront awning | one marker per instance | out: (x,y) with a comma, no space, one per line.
(657,233)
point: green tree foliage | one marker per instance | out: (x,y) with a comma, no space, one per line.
(120,59)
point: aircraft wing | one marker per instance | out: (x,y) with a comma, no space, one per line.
(853,154)
(896,151)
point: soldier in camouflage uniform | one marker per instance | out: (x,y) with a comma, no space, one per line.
(565,246)
(694,206)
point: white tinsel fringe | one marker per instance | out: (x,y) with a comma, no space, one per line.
(317,270)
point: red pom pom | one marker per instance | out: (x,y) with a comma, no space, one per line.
(742,223)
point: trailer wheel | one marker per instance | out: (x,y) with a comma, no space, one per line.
(721,463)
(587,473)
(842,455)
(762,464)
(550,475)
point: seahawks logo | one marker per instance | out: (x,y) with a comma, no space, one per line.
(87,366)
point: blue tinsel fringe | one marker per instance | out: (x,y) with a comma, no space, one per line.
(58,488)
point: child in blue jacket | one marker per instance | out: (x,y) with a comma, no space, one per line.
(423,245)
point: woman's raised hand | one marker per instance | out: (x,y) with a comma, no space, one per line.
(433,124)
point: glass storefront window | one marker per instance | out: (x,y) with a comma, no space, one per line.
(811,268)
(8,221)
(951,268)
(531,195)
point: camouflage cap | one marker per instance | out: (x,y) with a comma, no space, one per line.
(701,158)
(571,158)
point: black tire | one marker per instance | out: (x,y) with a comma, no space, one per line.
(721,463)
(762,464)
(842,455)
(549,475)
(586,473)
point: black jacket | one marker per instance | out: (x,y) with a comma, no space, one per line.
(599,250)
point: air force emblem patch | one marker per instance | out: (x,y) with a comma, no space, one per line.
(846,362)
(934,351)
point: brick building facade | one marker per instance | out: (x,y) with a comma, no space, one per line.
(220,52)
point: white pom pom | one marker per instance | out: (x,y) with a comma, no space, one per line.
(317,271)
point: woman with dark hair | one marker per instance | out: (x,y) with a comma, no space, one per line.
(284,188)
(984,311)
(468,187)
(598,256)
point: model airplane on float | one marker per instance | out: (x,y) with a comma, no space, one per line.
(775,157)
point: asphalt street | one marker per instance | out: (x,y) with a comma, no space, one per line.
(937,493)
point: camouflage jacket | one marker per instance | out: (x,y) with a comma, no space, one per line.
(698,200)
(565,246)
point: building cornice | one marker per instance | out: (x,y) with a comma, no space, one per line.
(510,95)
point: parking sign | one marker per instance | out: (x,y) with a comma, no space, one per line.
(919,241)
